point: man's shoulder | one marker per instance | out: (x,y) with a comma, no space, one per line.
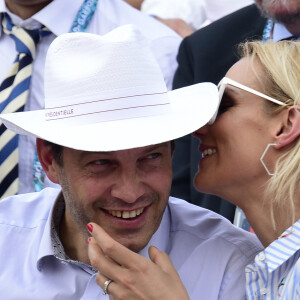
(117,13)
(201,221)
(27,210)
(216,43)
(205,226)
(247,20)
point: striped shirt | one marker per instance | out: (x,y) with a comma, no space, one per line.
(276,271)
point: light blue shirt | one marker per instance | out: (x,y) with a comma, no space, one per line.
(276,271)
(280,32)
(209,252)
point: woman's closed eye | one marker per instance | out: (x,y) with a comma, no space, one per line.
(225,104)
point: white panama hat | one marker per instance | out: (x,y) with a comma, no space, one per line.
(107,93)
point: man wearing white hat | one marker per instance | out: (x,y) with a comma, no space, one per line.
(51,18)
(104,136)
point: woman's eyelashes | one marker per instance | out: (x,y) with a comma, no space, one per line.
(225,105)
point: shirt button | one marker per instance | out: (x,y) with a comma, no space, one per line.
(263,291)
(261,256)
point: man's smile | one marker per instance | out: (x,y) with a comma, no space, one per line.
(125,214)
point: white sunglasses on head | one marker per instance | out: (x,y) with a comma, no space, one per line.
(227,81)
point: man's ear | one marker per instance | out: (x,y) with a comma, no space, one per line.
(47,160)
(290,130)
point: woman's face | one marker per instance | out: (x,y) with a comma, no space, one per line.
(234,143)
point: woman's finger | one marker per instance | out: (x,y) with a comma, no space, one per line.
(103,263)
(134,276)
(162,260)
(105,283)
(115,290)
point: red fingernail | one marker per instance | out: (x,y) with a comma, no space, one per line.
(89,227)
(89,240)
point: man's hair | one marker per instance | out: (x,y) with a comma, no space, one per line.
(280,79)
(57,152)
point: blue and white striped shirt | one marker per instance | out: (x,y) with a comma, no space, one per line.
(276,271)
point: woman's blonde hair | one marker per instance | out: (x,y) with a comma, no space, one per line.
(280,78)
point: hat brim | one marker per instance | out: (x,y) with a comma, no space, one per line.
(191,108)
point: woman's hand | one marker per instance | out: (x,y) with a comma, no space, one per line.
(133,276)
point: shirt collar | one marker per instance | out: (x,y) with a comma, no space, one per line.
(161,237)
(51,245)
(57,16)
(280,32)
(282,249)
(46,244)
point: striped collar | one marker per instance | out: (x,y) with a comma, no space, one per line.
(275,272)
(278,252)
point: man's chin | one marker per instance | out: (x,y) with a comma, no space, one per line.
(134,246)
(132,243)
(287,19)
(280,14)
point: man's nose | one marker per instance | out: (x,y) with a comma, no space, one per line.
(128,187)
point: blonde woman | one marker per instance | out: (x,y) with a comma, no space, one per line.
(251,156)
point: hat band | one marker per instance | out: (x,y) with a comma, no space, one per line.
(111,109)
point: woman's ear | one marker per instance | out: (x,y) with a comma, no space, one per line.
(290,130)
(47,160)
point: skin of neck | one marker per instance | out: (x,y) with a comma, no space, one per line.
(249,196)
(73,239)
(24,10)
(258,213)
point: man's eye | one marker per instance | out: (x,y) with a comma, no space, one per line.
(153,155)
(100,162)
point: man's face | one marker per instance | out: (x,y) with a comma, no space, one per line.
(286,12)
(125,192)
(28,2)
(26,8)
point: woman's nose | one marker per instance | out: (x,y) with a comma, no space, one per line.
(201,131)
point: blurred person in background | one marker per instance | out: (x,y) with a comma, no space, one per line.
(189,15)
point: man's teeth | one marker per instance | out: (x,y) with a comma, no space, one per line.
(209,151)
(126,214)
